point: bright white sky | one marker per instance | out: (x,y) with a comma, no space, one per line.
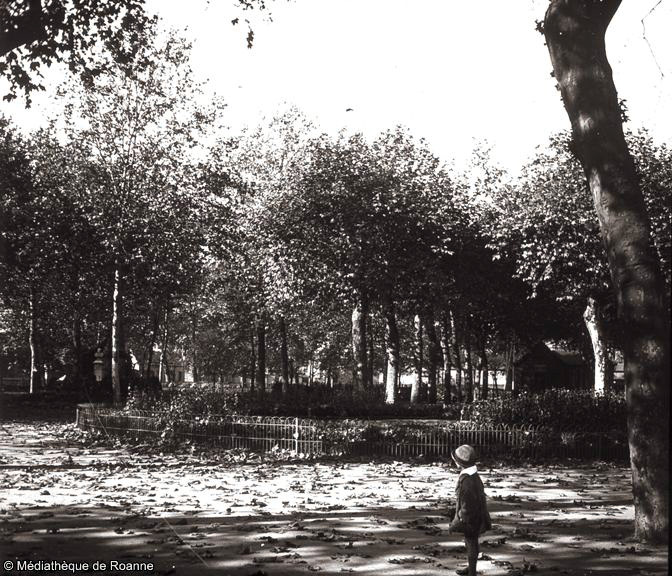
(452,71)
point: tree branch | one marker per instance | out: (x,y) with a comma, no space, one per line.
(24,29)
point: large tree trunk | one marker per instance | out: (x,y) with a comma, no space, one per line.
(156,321)
(261,354)
(284,355)
(35,375)
(510,362)
(416,387)
(194,347)
(116,327)
(163,357)
(457,355)
(124,357)
(359,344)
(253,356)
(447,364)
(363,341)
(485,379)
(434,353)
(356,345)
(604,366)
(77,349)
(575,32)
(469,380)
(393,350)
(370,343)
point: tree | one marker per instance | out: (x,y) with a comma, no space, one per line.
(360,225)
(48,249)
(142,122)
(23,242)
(37,33)
(261,162)
(575,31)
(545,224)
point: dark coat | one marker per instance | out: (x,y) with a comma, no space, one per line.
(471,511)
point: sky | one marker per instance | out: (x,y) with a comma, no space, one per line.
(454,72)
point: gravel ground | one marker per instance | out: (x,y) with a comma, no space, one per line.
(63,499)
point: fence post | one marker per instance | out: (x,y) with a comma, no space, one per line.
(296,435)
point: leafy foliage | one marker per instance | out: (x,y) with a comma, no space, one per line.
(38,33)
(561,410)
(203,402)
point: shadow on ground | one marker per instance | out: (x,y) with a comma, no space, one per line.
(65,501)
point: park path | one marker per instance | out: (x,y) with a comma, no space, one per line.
(238,514)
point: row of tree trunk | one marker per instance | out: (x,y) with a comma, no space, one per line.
(451,343)
(449,339)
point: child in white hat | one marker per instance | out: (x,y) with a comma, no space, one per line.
(471,511)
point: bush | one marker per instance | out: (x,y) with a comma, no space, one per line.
(301,401)
(570,410)
(345,416)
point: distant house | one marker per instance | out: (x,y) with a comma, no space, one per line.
(541,368)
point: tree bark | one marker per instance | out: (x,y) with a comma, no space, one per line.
(116,327)
(469,380)
(370,350)
(261,354)
(458,357)
(393,349)
(510,357)
(359,345)
(163,357)
(603,365)
(434,353)
(284,355)
(447,363)
(154,335)
(33,343)
(194,347)
(253,357)
(363,341)
(575,32)
(416,387)
(356,345)
(485,379)
(77,348)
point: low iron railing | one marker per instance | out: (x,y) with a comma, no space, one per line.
(395,438)
(14,383)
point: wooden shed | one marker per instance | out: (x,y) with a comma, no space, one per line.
(541,368)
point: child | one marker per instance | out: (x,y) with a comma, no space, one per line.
(471,512)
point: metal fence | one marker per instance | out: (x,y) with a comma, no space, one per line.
(14,383)
(397,438)
(260,433)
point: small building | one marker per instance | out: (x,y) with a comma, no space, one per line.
(541,368)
